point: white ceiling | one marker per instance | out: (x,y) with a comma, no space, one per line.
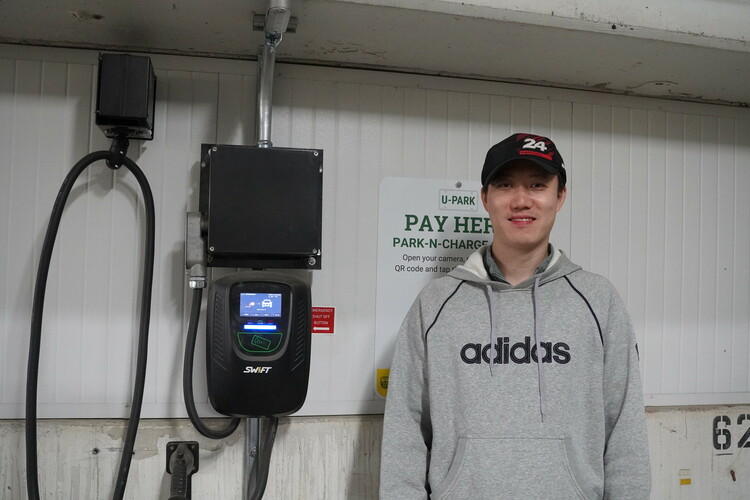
(376,36)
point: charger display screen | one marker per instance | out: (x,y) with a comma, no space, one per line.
(260,305)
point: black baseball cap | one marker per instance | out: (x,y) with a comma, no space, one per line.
(535,148)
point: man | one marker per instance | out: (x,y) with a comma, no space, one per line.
(516,376)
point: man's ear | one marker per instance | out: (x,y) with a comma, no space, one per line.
(561,198)
(483,193)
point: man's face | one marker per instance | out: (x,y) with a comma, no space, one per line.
(522,201)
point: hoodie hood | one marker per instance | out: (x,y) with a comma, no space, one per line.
(473,270)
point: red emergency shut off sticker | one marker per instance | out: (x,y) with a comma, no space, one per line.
(323,319)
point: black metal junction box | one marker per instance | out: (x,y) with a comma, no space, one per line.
(262,207)
(126,96)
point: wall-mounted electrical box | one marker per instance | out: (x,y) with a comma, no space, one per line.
(126,96)
(261,207)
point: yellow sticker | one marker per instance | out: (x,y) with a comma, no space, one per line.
(381,381)
(685,481)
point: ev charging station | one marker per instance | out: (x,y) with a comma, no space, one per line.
(258,347)
(260,209)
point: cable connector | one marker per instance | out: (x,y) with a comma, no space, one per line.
(118,151)
(197,276)
(182,462)
(197,282)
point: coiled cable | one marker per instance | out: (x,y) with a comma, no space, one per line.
(187,376)
(32,376)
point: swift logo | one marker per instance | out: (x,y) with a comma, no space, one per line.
(257,369)
(519,353)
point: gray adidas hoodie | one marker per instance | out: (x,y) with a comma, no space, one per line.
(472,413)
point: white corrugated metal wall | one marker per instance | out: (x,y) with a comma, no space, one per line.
(656,204)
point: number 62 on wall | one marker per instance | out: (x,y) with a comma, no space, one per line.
(722,435)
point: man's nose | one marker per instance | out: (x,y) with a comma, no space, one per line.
(520,199)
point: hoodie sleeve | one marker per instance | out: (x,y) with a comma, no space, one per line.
(407,432)
(627,473)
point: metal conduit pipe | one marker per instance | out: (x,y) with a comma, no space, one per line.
(265,93)
(257,454)
(276,23)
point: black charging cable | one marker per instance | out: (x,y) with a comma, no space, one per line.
(187,376)
(261,463)
(32,377)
